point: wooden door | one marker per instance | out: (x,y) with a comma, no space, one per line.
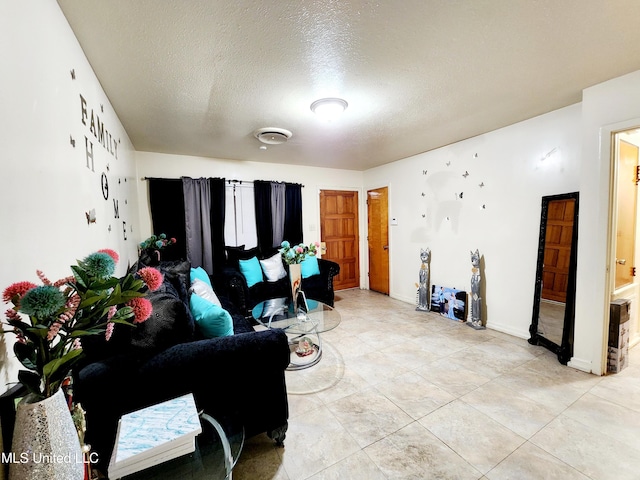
(557,249)
(626,213)
(378,239)
(339,231)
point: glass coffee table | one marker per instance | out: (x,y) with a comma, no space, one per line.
(302,327)
(217,451)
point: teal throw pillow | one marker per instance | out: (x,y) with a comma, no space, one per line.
(251,270)
(201,274)
(212,320)
(309,266)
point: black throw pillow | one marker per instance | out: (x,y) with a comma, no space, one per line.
(170,323)
(235,254)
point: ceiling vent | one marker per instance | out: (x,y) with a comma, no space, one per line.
(272,136)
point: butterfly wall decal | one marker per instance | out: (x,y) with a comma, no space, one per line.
(91,216)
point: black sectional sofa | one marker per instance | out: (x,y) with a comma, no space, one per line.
(238,377)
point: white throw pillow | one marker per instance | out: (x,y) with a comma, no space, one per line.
(273,268)
(205,291)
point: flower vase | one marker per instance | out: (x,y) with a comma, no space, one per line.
(45,441)
(295,275)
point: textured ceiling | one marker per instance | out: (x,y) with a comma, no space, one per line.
(197,77)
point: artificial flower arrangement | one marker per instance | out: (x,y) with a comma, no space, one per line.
(297,253)
(149,250)
(89,302)
(157,242)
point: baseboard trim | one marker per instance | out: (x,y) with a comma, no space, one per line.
(580,364)
(403,299)
(508,330)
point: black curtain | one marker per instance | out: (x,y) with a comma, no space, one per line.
(264,228)
(293,213)
(166,201)
(217,222)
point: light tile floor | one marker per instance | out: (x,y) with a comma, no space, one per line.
(401,394)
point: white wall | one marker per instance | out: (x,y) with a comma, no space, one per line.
(607,107)
(46,187)
(517,165)
(313,179)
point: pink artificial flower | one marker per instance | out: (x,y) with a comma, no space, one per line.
(152,277)
(72,307)
(173,240)
(112,311)
(12,314)
(141,309)
(112,253)
(18,290)
(64,281)
(109,331)
(317,244)
(299,250)
(53,331)
(43,278)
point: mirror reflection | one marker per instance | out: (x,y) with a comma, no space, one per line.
(553,315)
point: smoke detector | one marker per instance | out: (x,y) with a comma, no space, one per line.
(272,135)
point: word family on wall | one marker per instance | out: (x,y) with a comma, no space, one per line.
(101,148)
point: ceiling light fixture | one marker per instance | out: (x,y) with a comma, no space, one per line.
(329,108)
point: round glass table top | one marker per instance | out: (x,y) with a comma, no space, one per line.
(315,316)
(218,448)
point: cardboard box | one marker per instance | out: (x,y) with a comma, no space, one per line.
(618,351)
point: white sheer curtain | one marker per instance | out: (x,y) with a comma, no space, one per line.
(240,216)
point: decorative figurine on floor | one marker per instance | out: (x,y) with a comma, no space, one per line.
(424,303)
(475,313)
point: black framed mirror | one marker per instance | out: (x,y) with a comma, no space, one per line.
(555,284)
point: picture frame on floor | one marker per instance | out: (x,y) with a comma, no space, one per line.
(449,302)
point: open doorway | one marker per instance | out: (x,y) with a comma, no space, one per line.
(625,237)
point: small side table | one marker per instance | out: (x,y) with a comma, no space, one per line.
(303,328)
(218,449)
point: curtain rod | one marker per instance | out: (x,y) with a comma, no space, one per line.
(251,182)
(234,181)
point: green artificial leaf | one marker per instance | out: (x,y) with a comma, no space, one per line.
(122,313)
(123,321)
(37,333)
(26,354)
(65,361)
(20,325)
(107,284)
(136,285)
(30,380)
(82,279)
(85,333)
(126,296)
(89,301)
